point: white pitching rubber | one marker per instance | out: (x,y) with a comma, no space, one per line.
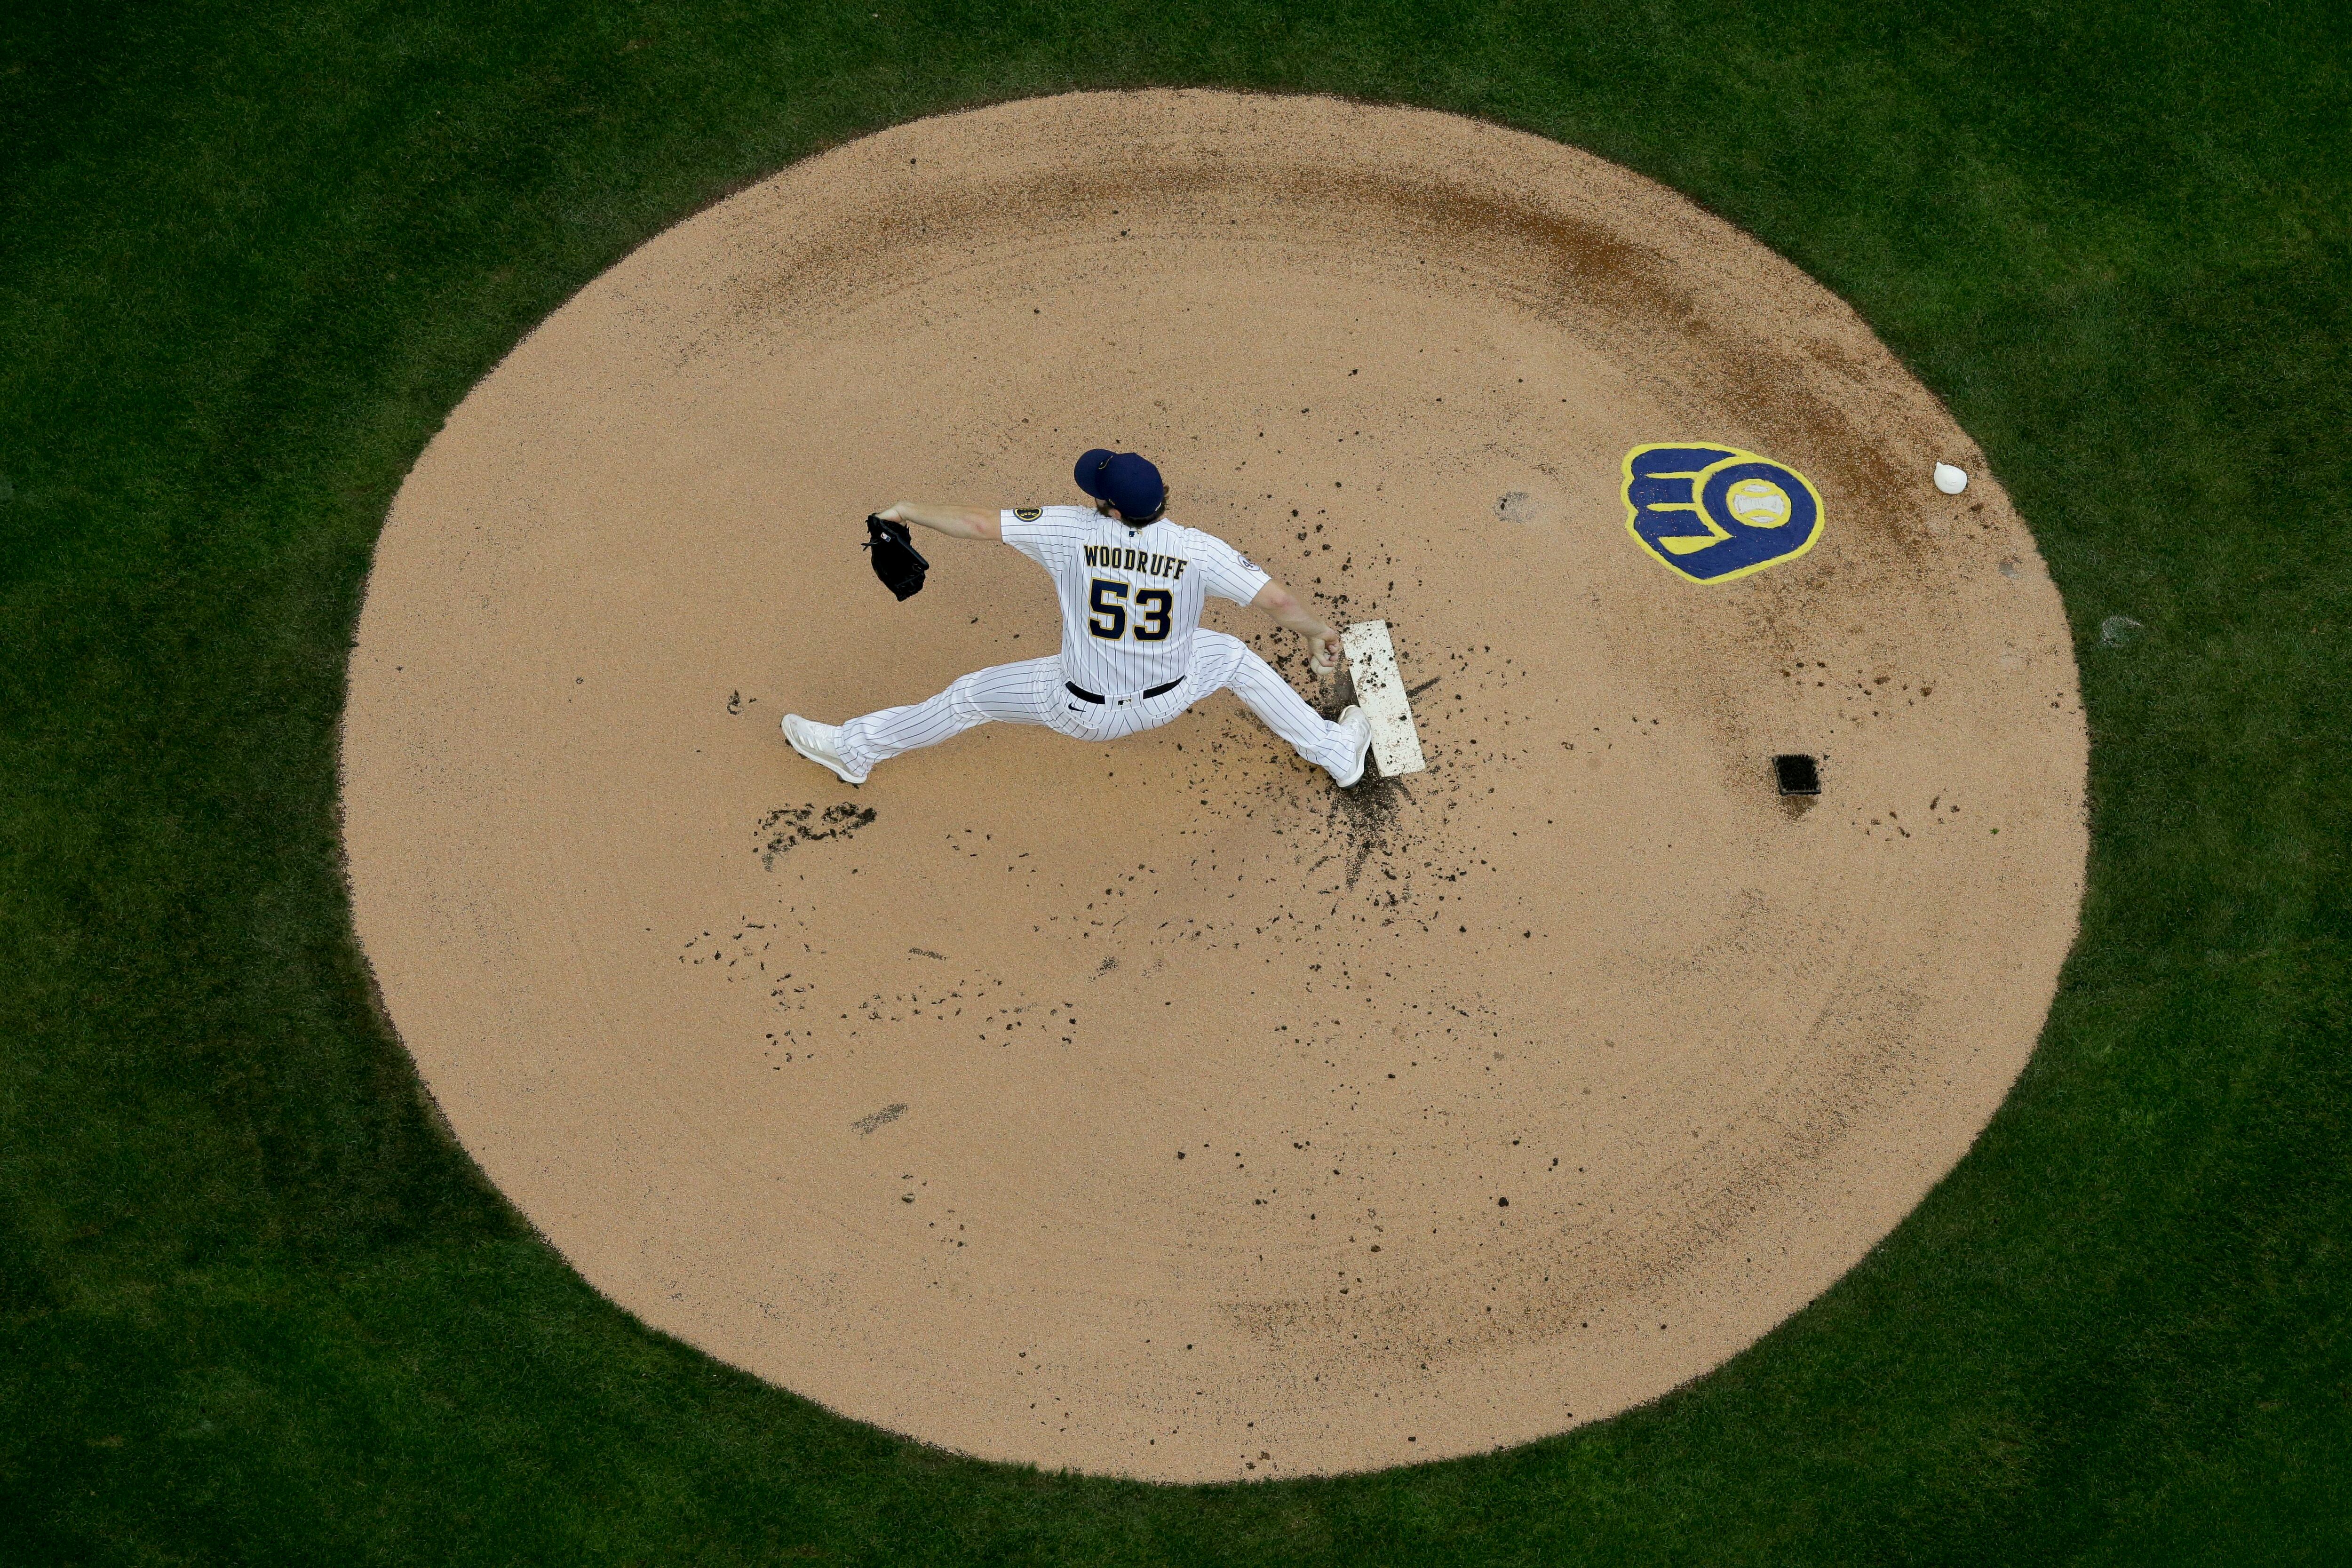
(1379,692)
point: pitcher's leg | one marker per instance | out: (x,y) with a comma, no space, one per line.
(1220,660)
(1002,693)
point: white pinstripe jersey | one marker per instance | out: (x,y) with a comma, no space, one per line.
(1131,597)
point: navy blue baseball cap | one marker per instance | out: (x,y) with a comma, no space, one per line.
(1126,480)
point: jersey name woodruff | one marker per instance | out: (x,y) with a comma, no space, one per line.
(1117,558)
(1134,654)
(1131,597)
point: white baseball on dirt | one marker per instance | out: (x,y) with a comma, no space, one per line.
(1949,479)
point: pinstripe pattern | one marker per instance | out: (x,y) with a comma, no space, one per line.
(1030,692)
(1151,635)
(1182,562)
(1222,662)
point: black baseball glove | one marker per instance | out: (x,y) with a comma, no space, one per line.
(896,560)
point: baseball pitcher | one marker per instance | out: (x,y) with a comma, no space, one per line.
(1132,585)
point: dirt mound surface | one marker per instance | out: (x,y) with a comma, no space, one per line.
(1151,1108)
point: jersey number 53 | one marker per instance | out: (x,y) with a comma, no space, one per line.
(1108,598)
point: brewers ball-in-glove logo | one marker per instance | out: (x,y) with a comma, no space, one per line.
(1714,513)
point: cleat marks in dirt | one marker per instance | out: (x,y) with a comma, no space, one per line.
(788,826)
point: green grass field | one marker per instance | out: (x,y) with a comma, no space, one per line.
(257,1309)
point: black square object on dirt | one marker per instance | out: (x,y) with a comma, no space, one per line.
(1797,775)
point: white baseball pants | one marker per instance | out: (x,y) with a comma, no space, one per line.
(1033,692)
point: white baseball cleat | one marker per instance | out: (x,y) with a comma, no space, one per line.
(1352,719)
(820,744)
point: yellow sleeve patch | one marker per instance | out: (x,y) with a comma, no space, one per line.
(1028,513)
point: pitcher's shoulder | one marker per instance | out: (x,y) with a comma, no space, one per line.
(1200,540)
(1197,536)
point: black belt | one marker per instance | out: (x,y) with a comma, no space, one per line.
(1080,691)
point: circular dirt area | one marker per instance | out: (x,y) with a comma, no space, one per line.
(1154,1109)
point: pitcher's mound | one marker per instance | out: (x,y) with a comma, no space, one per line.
(1151,1108)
